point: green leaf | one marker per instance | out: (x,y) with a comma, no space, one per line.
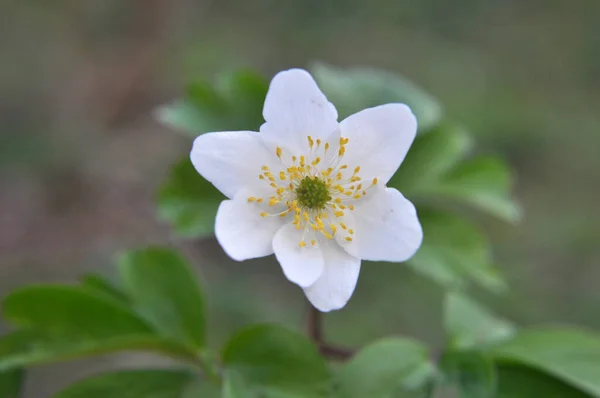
(352,90)
(234,386)
(131,384)
(483,182)
(235,104)
(201,111)
(383,367)
(272,357)
(25,348)
(568,354)
(71,311)
(517,381)
(473,374)
(201,388)
(469,325)
(99,284)
(245,92)
(188,202)
(10,383)
(164,291)
(430,156)
(454,250)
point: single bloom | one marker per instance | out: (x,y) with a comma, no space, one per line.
(312,190)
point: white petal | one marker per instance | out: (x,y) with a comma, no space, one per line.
(387,226)
(295,108)
(379,139)
(301,265)
(231,160)
(336,285)
(351,246)
(242,232)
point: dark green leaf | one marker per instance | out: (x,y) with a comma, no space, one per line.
(352,90)
(10,383)
(189,202)
(483,182)
(430,156)
(383,367)
(71,311)
(454,250)
(568,354)
(517,381)
(131,384)
(165,292)
(469,325)
(275,358)
(99,284)
(26,348)
(472,373)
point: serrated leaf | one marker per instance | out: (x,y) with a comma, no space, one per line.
(64,311)
(381,368)
(470,325)
(188,202)
(568,354)
(10,383)
(274,358)
(517,381)
(483,182)
(352,90)
(131,384)
(453,251)
(164,291)
(473,374)
(430,156)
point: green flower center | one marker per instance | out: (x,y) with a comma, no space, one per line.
(312,193)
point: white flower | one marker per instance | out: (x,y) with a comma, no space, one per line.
(312,190)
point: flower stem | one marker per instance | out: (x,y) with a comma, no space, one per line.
(314,326)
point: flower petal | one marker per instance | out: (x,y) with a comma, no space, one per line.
(336,285)
(342,234)
(301,265)
(231,160)
(242,232)
(387,227)
(379,139)
(294,108)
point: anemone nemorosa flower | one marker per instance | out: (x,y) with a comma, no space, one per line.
(312,190)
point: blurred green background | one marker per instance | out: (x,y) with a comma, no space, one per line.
(81,154)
